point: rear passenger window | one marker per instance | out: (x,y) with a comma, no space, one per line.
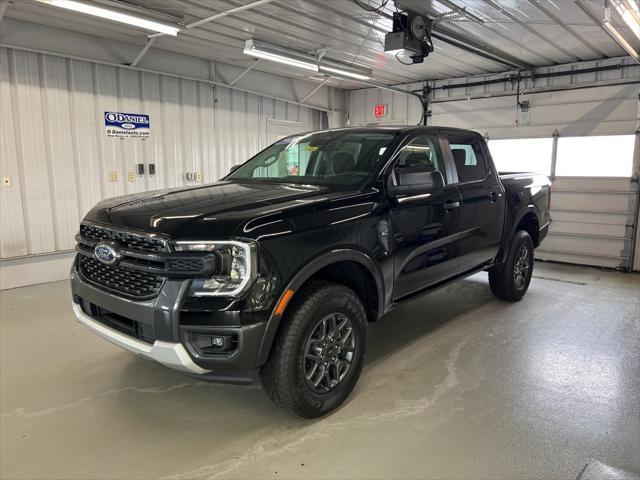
(468,158)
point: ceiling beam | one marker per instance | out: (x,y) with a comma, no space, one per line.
(244,72)
(217,16)
(581,38)
(484,51)
(461,11)
(144,50)
(315,89)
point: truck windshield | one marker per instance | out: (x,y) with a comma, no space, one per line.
(336,158)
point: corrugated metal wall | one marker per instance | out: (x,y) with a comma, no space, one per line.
(54,148)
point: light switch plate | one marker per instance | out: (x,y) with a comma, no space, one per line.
(6,181)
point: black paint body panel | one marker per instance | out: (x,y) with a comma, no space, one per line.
(298,229)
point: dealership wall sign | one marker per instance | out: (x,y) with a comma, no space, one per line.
(127,125)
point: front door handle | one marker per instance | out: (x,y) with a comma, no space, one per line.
(451,205)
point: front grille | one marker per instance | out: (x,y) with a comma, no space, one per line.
(130,282)
(129,241)
(184,265)
(118,322)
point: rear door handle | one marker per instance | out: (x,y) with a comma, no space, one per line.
(451,205)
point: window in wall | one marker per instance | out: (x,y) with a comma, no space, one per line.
(598,156)
(522,155)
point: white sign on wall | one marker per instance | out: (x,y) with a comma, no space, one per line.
(127,125)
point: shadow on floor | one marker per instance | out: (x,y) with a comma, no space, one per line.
(425,314)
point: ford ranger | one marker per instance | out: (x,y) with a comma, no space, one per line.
(273,272)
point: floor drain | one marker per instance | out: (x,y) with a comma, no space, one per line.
(561,280)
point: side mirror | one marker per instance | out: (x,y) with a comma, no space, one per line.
(234,168)
(415,181)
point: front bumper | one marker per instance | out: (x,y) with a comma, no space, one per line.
(171,355)
(162,328)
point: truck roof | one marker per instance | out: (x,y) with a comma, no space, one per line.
(402,128)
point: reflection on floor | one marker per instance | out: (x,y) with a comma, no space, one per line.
(457,385)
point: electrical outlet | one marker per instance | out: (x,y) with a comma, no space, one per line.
(198,176)
(130,176)
(190,176)
(6,181)
(113,176)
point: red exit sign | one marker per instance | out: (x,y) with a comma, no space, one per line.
(380,110)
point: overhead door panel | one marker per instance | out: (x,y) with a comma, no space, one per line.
(592,221)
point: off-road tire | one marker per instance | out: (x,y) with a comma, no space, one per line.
(283,376)
(502,278)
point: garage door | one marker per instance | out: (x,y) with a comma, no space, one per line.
(592,221)
(593,198)
(593,202)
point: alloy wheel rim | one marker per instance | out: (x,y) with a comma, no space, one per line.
(521,267)
(329,352)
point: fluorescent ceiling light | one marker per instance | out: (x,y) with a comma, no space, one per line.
(114,15)
(630,13)
(276,54)
(621,40)
(346,72)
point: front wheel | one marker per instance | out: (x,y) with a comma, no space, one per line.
(510,280)
(318,353)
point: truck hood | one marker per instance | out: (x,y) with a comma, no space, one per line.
(212,211)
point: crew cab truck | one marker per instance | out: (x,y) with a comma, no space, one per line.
(274,272)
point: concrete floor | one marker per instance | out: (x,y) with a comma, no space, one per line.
(457,385)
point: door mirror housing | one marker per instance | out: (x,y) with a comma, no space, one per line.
(414,181)
(234,168)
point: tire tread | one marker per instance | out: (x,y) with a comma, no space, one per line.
(276,375)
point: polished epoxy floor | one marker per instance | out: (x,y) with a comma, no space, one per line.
(457,385)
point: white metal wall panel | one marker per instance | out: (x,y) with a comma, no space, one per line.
(34,174)
(55,150)
(13,241)
(401,108)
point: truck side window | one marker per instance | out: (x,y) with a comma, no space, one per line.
(468,158)
(421,152)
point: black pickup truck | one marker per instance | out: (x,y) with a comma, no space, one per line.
(274,271)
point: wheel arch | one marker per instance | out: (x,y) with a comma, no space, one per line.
(354,268)
(528,220)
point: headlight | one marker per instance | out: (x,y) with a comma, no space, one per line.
(238,265)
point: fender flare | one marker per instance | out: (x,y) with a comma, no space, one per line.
(507,239)
(304,274)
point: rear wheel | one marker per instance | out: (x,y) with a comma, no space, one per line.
(510,280)
(319,351)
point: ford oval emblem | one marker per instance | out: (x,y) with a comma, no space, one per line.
(107,253)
